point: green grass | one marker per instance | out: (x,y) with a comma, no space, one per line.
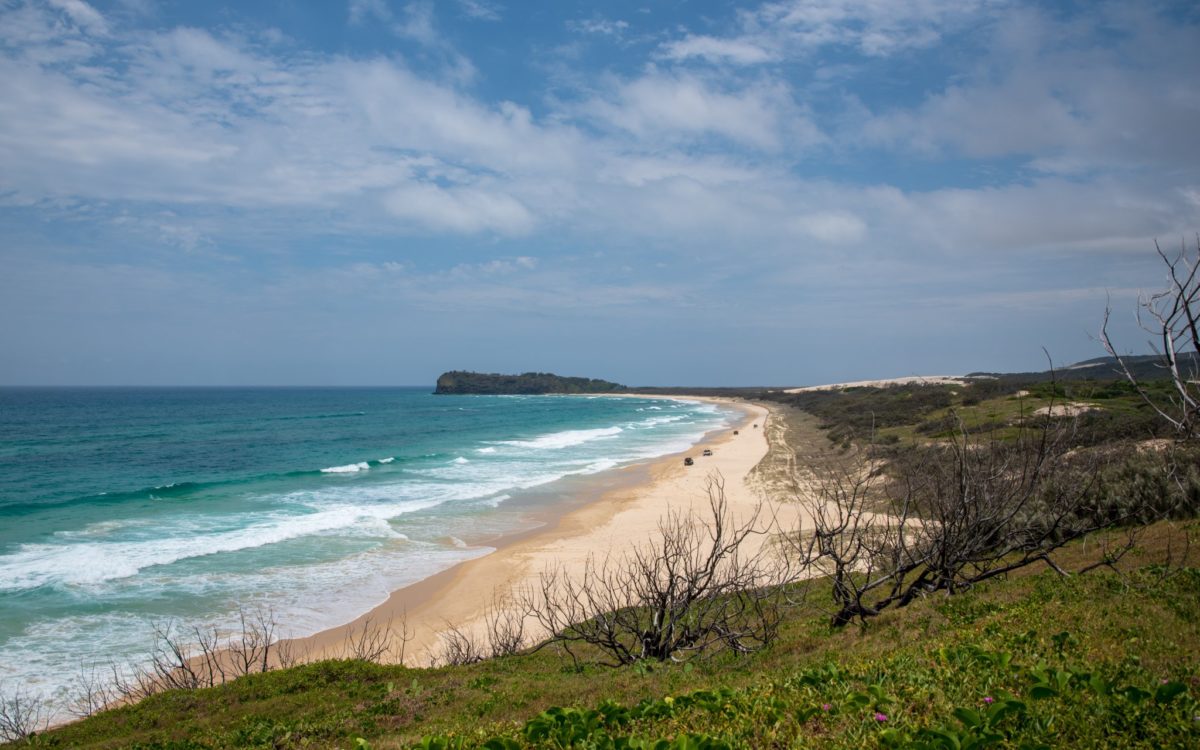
(1077,662)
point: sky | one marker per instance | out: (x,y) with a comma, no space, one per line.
(656,193)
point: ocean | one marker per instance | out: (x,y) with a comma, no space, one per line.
(125,507)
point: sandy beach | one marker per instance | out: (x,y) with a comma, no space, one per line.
(626,515)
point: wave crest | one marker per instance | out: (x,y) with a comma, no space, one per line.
(565,439)
(347,469)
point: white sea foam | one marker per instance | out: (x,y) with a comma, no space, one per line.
(387,460)
(598,466)
(565,439)
(347,469)
(488,449)
(45,657)
(98,529)
(461,460)
(655,421)
(87,563)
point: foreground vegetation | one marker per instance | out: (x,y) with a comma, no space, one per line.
(1108,659)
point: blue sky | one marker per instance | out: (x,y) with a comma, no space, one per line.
(677,192)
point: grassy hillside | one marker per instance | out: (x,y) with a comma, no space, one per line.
(1105,659)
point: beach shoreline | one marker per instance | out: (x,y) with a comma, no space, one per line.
(603,516)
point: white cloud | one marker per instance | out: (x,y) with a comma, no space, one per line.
(675,157)
(1068,108)
(362,11)
(601,26)
(465,210)
(480,10)
(83,14)
(738,51)
(834,227)
(670,106)
(796,28)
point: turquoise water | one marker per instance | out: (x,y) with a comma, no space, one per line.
(122,507)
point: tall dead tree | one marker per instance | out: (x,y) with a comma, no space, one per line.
(1172,318)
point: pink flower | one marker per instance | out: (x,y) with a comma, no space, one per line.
(989,699)
(825,706)
(880,717)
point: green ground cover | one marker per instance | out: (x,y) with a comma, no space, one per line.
(1105,659)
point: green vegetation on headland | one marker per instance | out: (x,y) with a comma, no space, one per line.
(530,383)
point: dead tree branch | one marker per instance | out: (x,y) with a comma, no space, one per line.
(1172,318)
(952,516)
(22,713)
(695,587)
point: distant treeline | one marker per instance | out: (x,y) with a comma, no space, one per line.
(1144,367)
(529,383)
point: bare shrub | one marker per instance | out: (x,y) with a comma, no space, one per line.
(503,634)
(132,684)
(249,649)
(953,515)
(194,657)
(22,713)
(505,623)
(288,654)
(93,692)
(459,647)
(690,589)
(183,663)
(377,642)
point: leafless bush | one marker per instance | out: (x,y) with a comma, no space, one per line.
(194,657)
(93,692)
(250,647)
(503,634)
(21,714)
(1172,318)
(288,654)
(954,516)
(505,623)
(691,589)
(132,684)
(377,642)
(183,663)
(459,647)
